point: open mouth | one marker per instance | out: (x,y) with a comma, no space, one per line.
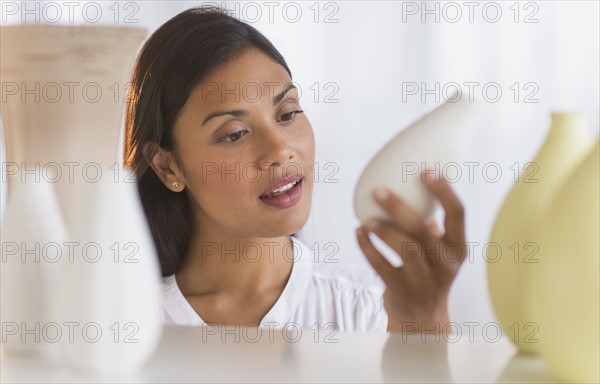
(281,190)
(284,196)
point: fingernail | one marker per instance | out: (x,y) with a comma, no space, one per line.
(382,194)
(360,231)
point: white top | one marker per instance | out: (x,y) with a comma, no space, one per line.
(313,297)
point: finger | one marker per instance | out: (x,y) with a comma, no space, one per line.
(434,227)
(454,219)
(452,255)
(404,216)
(409,249)
(415,254)
(376,259)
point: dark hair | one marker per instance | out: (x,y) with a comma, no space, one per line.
(171,63)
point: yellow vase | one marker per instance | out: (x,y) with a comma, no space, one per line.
(513,250)
(563,295)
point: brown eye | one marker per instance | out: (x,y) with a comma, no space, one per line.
(290,115)
(235,136)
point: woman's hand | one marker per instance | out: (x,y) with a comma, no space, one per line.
(416,295)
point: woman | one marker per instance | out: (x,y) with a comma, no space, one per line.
(223,153)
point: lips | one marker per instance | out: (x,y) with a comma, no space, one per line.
(282,185)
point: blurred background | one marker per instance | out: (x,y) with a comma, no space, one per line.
(367,69)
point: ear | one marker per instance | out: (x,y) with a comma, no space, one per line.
(164,165)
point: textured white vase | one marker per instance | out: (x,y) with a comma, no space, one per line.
(435,140)
(33,235)
(63,104)
(107,304)
(115,276)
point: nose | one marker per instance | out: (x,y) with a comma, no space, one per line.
(275,149)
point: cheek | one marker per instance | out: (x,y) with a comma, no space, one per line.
(209,179)
(305,143)
(215,181)
(308,148)
(234,182)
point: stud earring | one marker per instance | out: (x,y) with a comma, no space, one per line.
(175,184)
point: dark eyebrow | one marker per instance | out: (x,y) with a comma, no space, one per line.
(240,112)
(235,112)
(281,94)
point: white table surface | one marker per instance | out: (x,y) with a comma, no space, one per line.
(192,354)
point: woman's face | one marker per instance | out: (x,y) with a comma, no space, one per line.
(239,133)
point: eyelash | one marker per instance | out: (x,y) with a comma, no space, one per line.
(294,114)
(224,138)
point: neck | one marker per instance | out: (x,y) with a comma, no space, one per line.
(218,262)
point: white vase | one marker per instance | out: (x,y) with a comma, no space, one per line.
(435,140)
(114,283)
(63,104)
(33,235)
(78,133)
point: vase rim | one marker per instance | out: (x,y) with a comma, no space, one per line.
(567,114)
(567,119)
(24,46)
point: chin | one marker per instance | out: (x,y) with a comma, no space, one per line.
(286,226)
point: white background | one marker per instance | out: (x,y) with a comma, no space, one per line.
(371,49)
